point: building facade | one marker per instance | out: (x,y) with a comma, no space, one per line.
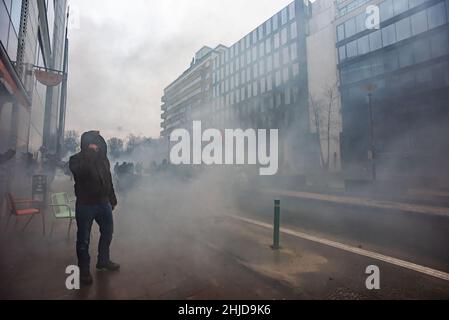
(395,90)
(323,83)
(186,97)
(261,82)
(32,36)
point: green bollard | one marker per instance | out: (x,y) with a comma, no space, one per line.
(277,224)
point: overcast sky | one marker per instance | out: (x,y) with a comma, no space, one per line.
(124,53)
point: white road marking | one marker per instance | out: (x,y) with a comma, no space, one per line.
(363,202)
(397,262)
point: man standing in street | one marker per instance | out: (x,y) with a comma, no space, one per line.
(95,200)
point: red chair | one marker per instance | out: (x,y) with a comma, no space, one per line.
(24,208)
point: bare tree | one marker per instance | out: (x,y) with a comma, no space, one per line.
(325,122)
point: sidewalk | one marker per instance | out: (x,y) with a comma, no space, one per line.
(363,202)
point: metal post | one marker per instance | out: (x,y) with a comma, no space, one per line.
(277,224)
(371,137)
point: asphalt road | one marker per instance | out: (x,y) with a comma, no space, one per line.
(418,238)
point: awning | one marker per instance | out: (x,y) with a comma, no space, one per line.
(11,81)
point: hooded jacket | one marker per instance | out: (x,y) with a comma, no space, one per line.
(92,172)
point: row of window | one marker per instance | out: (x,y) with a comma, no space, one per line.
(350,7)
(286,96)
(388,9)
(416,24)
(409,54)
(251,54)
(265,30)
(286,55)
(433,77)
(259,87)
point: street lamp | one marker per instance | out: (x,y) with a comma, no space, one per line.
(370,88)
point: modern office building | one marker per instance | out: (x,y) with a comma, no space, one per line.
(187,97)
(258,82)
(395,90)
(32,39)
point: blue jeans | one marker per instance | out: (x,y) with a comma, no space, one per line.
(85,216)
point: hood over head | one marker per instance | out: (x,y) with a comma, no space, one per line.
(93,137)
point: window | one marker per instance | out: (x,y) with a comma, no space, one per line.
(256,70)
(406,56)
(284,16)
(278,79)
(360,22)
(268,27)
(447,10)
(400,6)
(276,60)
(284,36)
(275,22)
(386,10)
(363,45)
(439,44)
(294,51)
(419,22)
(436,15)
(296,69)
(260,32)
(254,37)
(375,40)
(285,55)
(421,50)
(268,45)
(389,35)
(269,63)
(285,75)
(291,11)
(340,32)
(403,29)
(261,68)
(276,41)
(255,88)
(351,49)
(342,53)
(287,96)
(262,50)
(4,25)
(294,30)
(269,82)
(350,27)
(263,86)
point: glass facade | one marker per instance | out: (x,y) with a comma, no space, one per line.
(259,73)
(10,12)
(407,61)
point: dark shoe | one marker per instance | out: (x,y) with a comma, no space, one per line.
(86,278)
(108,266)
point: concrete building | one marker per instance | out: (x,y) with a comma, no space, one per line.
(402,68)
(185,97)
(32,37)
(258,82)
